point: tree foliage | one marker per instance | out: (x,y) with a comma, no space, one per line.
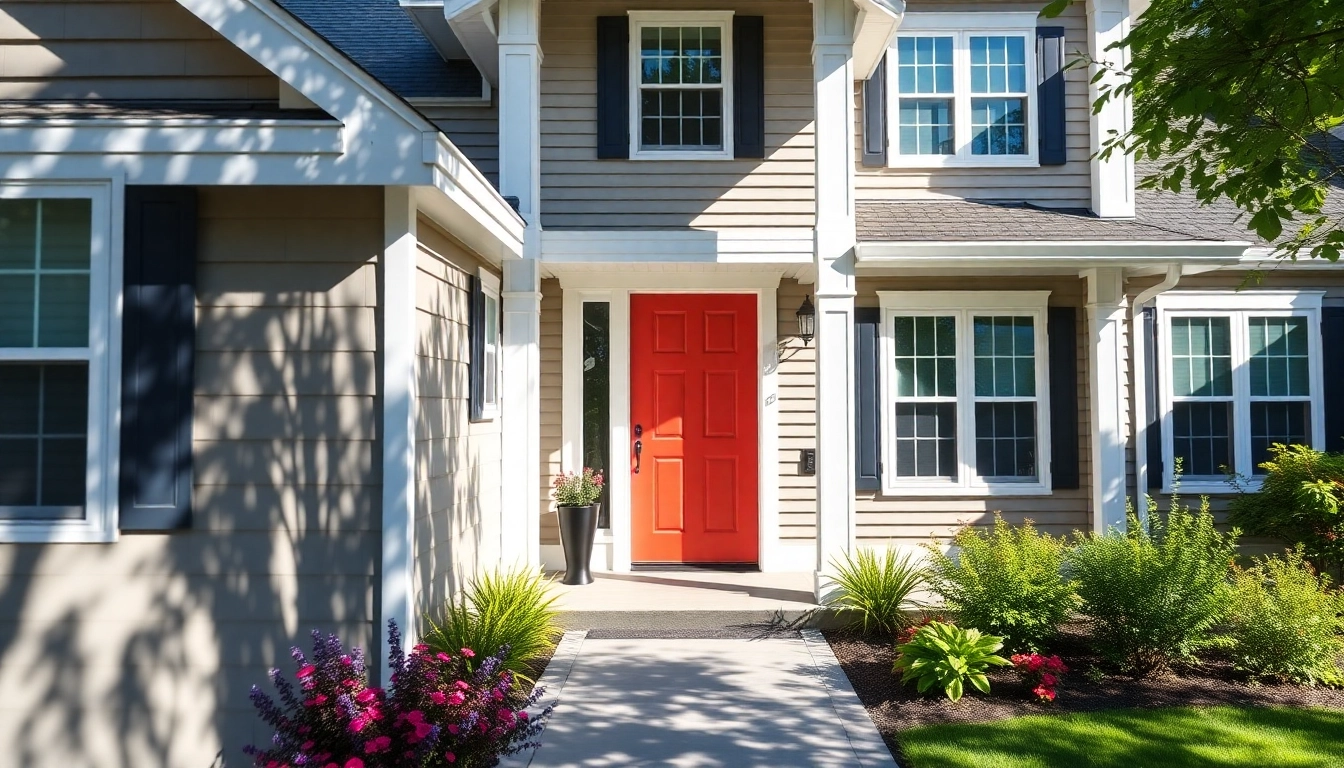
(1234,99)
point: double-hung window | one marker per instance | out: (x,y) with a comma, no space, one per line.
(1239,372)
(964,392)
(682,84)
(962,89)
(57,382)
(485,353)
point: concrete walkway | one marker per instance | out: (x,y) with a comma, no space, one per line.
(772,703)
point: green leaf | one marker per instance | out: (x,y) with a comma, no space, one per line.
(1266,224)
(980,682)
(1055,8)
(954,689)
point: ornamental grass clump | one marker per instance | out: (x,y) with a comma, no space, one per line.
(507,613)
(876,590)
(1155,593)
(440,710)
(1006,581)
(948,657)
(1286,621)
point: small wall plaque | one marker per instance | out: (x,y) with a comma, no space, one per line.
(809,461)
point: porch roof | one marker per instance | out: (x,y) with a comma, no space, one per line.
(982,221)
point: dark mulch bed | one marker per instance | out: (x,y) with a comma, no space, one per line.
(1089,686)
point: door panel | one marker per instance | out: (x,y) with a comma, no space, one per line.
(693,397)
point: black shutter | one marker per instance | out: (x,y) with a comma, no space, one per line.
(476,337)
(749,86)
(613,87)
(867,400)
(1156,466)
(158,352)
(1062,327)
(875,117)
(1050,95)
(1332,338)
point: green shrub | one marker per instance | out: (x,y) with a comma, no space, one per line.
(1007,582)
(1286,621)
(1155,596)
(875,590)
(505,608)
(1301,501)
(948,657)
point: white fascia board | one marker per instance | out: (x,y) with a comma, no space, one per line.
(874,30)
(474,27)
(1046,253)
(466,187)
(104,136)
(783,245)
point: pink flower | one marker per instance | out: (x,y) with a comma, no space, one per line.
(365,696)
(380,744)
(415,716)
(421,648)
(468,653)
(305,672)
(453,729)
(1049,681)
(522,715)
(358,724)
(422,731)
(354,762)
(348,683)
(438,697)
(441,656)
(347,661)
(450,757)
(1056,665)
(499,695)
(307,745)
(456,698)
(462,685)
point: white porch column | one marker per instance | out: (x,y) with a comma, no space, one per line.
(1106,369)
(833,69)
(520,177)
(397,303)
(1112,179)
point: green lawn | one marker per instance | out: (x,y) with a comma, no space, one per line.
(1180,737)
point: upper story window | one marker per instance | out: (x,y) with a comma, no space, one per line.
(965,402)
(1239,372)
(682,84)
(55,366)
(962,90)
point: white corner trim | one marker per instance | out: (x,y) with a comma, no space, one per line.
(398,377)
(1047,253)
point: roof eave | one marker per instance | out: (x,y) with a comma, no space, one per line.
(946,254)
(874,30)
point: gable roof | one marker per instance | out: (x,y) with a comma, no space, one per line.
(380,38)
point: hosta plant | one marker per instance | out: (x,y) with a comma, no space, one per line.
(948,657)
(876,591)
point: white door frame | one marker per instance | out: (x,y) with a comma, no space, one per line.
(613,547)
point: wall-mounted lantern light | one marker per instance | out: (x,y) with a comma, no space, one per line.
(807,321)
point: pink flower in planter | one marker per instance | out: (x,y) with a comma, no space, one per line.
(450,757)
(365,696)
(305,672)
(358,724)
(354,762)
(441,656)
(438,697)
(456,698)
(467,652)
(380,744)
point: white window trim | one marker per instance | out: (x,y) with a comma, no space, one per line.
(961,26)
(1238,306)
(721,19)
(103,354)
(490,287)
(964,305)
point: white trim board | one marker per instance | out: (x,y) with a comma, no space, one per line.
(1074,253)
(772,245)
(617,289)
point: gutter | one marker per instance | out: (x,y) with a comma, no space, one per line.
(1140,347)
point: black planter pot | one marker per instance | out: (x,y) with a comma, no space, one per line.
(578,529)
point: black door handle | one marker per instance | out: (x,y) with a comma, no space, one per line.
(639,448)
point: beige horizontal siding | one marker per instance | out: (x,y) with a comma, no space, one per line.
(914,520)
(142,652)
(797,420)
(1067,185)
(457,462)
(580,191)
(115,49)
(474,129)
(552,402)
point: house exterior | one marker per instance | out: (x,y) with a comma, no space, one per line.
(305,303)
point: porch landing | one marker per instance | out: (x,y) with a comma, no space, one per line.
(697,603)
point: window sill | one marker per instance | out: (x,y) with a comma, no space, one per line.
(969,491)
(915,162)
(680,155)
(1212,487)
(44,532)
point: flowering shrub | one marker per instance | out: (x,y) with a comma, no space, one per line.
(1042,673)
(440,710)
(572,489)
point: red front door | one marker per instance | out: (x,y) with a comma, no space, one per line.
(693,392)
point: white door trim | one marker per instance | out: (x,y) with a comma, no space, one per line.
(617,289)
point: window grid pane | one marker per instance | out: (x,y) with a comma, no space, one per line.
(1277,422)
(926,356)
(1201,357)
(1279,357)
(1202,437)
(1005,441)
(998,127)
(926,127)
(998,64)
(44,273)
(926,440)
(1005,357)
(681,82)
(43,434)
